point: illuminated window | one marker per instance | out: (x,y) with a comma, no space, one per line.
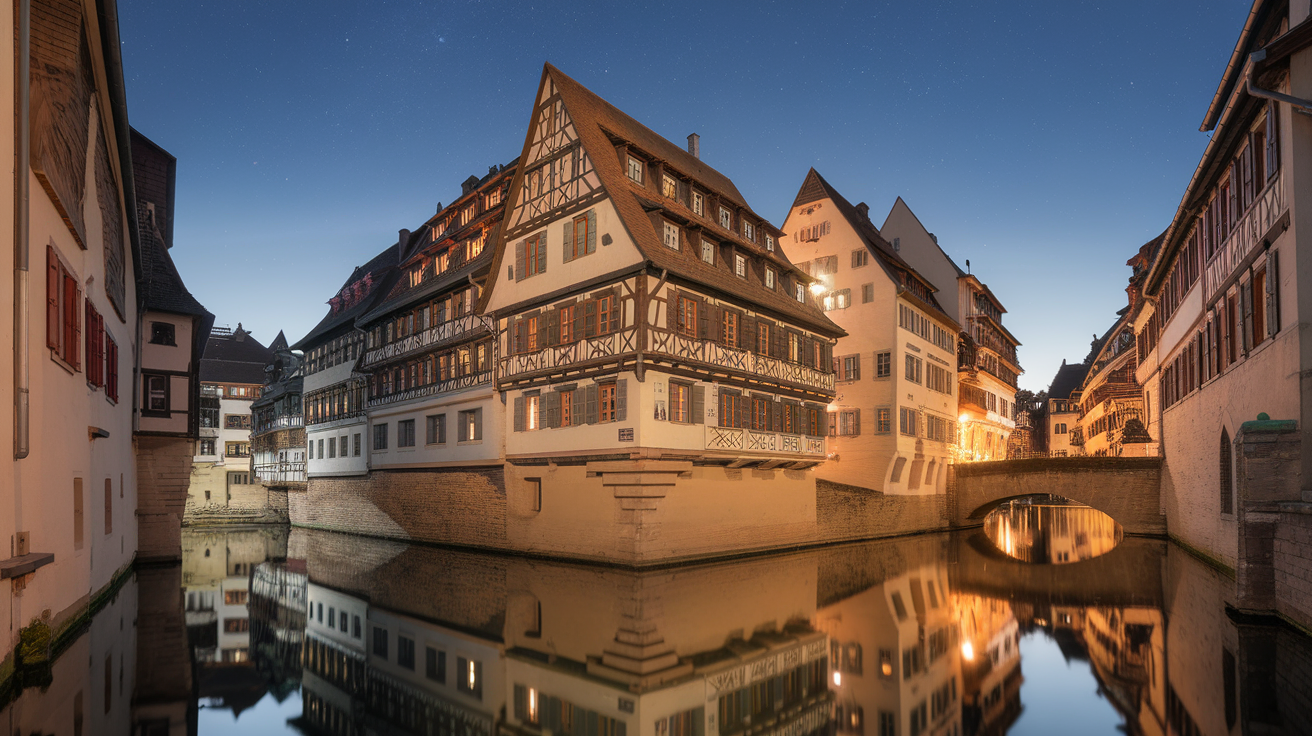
(680,402)
(669,187)
(687,320)
(740,266)
(469,678)
(606,407)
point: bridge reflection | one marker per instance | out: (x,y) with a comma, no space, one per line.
(1047,530)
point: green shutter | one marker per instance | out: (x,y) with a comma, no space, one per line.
(698,405)
(577,410)
(519,261)
(542,252)
(567,242)
(519,413)
(592,231)
(590,408)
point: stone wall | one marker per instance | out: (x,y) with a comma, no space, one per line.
(458,507)
(163,475)
(848,513)
(1292,558)
(1126,489)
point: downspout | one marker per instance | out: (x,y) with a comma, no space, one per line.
(641,368)
(22,259)
(1297,104)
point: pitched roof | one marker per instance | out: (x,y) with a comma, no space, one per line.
(161,287)
(234,358)
(599,124)
(1070,376)
(914,216)
(814,187)
(383,269)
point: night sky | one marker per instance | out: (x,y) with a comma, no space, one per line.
(1043,142)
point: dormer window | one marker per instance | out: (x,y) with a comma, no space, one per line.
(635,169)
(466,215)
(493,198)
(671,235)
(740,266)
(769,243)
(801,292)
(769,279)
(669,187)
(726,218)
(749,231)
(708,252)
(698,204)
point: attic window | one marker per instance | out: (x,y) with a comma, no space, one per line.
(726,219)
(749,231)
(801,293)
(769,243)
(740,266)
(635,169)
(466,215)
(671,235)
(708,252)
(669,187)
(162,333)
(493,198)
(698,204)
(769,279)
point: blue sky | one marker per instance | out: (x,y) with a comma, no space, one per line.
(1044,142)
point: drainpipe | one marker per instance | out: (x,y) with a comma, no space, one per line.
(641,368)
(1257,57)
(22,260)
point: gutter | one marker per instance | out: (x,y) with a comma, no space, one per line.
(22,255)
(1250,73)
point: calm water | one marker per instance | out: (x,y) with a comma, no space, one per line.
(265,631)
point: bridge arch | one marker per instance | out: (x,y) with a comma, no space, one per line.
(1126,489)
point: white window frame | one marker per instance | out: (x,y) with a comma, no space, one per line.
(635,172)
(726,218)
(670,235)
(769,242)
(740,265)
(769,278)
(708,252)
(698,204)
(669,182)
(749,231)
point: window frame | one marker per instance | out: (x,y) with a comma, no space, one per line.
(148,394)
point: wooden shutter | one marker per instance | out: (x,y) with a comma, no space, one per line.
(53,323)
(856,422)
(704,323)
(833,423)
(1246,308)
(592,231)
(590,318)
(590,405)
(1272,293)
(542,330)
(111,370)
(542,252)
(519,413)
(838,369)
(552,318)
(552,401)
(1272,140)
(567,242)
(744,411)
(519,261)
(577,413)
(698,405)
(746,332)
(73,325)
(579,322)
(478,424)
(521,697)
(621,400)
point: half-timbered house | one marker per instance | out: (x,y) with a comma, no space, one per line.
(893,423)
(664,366)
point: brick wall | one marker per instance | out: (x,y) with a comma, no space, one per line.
(163,475)
(846,512)
(1293,563)
(462,507)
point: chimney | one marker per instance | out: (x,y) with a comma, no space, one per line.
(934,238)
(695,145)
(402,238)
(863,209)
(439,206)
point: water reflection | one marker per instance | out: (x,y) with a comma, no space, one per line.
(1051,530)
(320,633)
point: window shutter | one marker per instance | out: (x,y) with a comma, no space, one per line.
(704,320)
(552,401)
(519,261)
(576,409)
(542,331)
(478,424)
(521,696)
(838,370)
(856,422)
(519,413)
(1272,140)
(1246,298)
(1272,293)
(592,231)
(567,243)
(833,423)
(698,404)
(621,399)
(746,332)
(53,325)
(671,309)
(579,321)
(589,318)
(590,408)
(73,347)
(744,411)
(542,252)
(552,319)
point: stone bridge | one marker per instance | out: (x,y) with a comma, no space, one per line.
(1128,489)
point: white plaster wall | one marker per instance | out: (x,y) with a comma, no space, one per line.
(481,452)
(347,464)
(918,249)
(341,605)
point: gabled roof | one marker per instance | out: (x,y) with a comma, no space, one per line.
(599,126)
(1070,376)
(234,358)
(814,188)
(383,269)
(161,287)
(902,203)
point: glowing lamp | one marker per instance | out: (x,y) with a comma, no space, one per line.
(838,679)
(817,288)
(967,651)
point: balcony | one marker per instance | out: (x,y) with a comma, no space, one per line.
(280,471)
(420,341)
(1271,206)
(286,421)
(751,442)
(713,353)
(563,356)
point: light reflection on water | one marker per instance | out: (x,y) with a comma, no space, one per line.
(1045,530)
(320,633)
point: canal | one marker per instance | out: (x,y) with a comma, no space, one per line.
(1045,621)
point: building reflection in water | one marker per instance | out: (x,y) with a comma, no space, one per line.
(1047,529)
(912,637)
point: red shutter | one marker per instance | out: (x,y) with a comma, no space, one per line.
(111,370)
(72,326)
(53,324)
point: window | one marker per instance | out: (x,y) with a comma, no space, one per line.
(532,420)
(800,293)
(608,315)
(671,235)
(841,299)
(236,421)
(355,445)
(669,187)
(380,437)
(687,319)
(95,347)
(405,652)
(436,429)
(733,410)
(157,394)
(332,617)
(860,258)
(763,337)
(206,447)
(749,232)
(435,665)
(580,236)
(405,433)
(940,379)
(332,447)
(708,252)
(1227,474)
(867,293)
(883,420)
(913,368)
(726,218)
(937,428)
(380,642)
(845,422)
(907,421)
(469,677)
(606,402)
(761,414)
(355,627)
(794,347)
(681,402)
(698,204)
(883,364)
(897,244)
(769,279)
(471,425)
(729,328)
(1059,428)
(162,333)
(535,255)
(239,479)
(237,449)
(769,243)
(635,169)
(342,443)
(740,266)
